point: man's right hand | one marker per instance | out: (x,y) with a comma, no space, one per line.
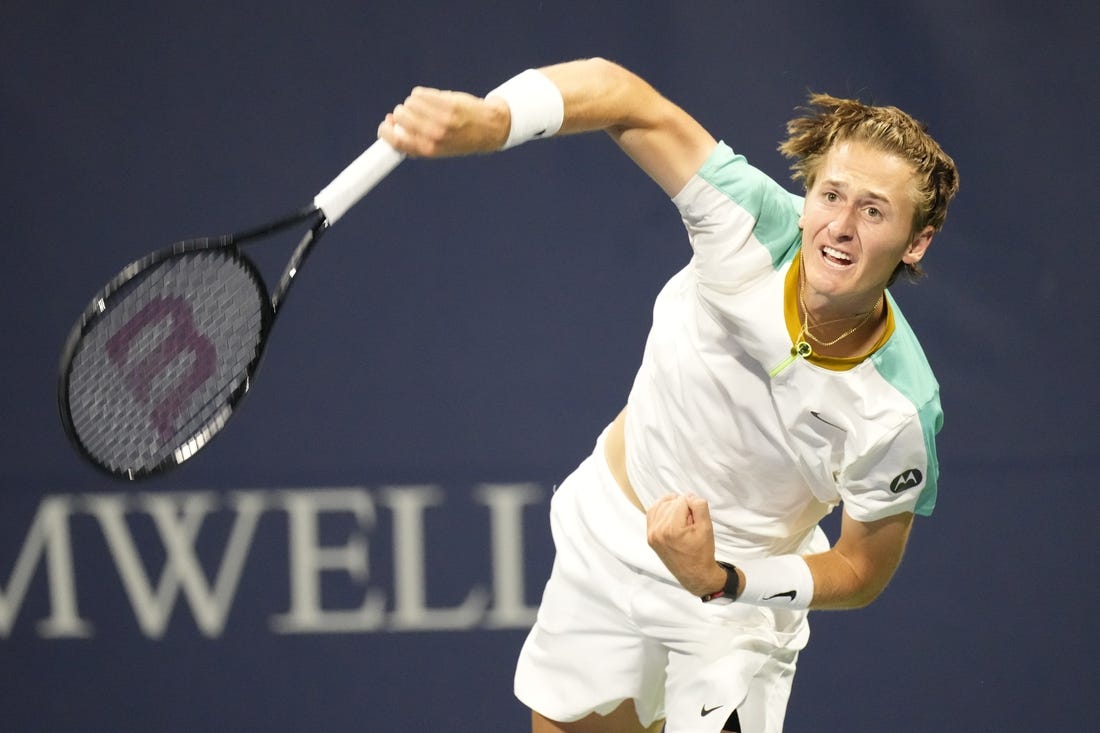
(433,123)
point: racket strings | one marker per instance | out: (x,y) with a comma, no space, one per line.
(156,373)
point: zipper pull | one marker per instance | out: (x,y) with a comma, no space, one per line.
(801,349)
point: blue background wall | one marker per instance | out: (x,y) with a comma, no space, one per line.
(478,321)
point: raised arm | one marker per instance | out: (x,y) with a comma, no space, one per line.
(666,142)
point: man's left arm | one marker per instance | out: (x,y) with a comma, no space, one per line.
(849,575)
(858,567)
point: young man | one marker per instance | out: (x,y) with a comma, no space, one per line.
(779,380)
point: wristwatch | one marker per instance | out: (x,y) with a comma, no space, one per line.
(728,594)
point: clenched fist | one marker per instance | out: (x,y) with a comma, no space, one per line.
(680,531)
(434,123)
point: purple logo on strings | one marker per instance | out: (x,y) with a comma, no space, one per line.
(182,338)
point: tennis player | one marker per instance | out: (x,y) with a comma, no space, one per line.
(779,380)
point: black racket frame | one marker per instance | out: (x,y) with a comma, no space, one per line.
(270,305)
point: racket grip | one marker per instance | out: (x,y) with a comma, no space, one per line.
(357,179)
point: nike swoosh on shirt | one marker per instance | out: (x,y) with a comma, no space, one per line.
(792,594)
(817,414)
(707,711)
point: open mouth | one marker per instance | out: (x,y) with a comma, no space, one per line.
(835,257)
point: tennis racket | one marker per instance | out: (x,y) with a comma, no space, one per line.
(162,356)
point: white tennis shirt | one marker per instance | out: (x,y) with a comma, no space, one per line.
(771,451)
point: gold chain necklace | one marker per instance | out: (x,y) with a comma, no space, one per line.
(802,347)
(805,331)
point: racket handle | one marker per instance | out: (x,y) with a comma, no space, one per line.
(356,180)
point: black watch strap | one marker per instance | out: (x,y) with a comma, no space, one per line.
(729,591)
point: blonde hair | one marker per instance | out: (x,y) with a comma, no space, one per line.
(829,120)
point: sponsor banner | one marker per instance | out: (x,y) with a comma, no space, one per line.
(318,560)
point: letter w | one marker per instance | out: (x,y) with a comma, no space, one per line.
(178,519)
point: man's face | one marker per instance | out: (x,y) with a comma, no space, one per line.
(857,225)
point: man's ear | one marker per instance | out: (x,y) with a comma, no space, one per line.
(918,246)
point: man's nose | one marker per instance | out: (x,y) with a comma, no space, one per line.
(843,225)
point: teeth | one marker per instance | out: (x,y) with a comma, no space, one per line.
(837,254)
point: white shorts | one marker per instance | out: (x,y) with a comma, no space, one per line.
(615,625)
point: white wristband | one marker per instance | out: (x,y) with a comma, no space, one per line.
(783,581)
(536,106)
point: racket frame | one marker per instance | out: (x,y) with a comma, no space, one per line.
(269,306)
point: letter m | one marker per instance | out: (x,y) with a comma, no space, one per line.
(49,536)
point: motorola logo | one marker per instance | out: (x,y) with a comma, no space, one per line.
(906,480)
